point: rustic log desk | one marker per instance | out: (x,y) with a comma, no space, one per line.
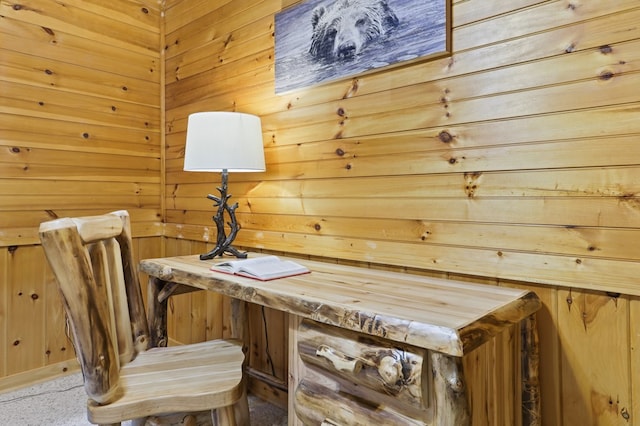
(370,346)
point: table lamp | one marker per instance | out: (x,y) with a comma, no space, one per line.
(224,142)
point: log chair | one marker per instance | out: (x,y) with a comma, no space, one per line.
(125,379)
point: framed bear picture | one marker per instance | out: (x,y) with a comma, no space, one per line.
(317,41)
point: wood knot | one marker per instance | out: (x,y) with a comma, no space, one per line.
(605,49)
(166,273)
(317,227)
(34,296)
(145,10)
(340,112)
(15,150)
(625,414)
(340,152)
(353,89)
(606,75)
(17,7)
(445,136)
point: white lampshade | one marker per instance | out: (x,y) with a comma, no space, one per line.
(224,140)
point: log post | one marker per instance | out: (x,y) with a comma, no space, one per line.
(531,415)
(451,404)
(157,313)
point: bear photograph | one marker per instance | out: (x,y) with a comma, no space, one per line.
(324,40)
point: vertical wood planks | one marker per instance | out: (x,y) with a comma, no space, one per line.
(32,320)
(179,307)
(26,309)
(58,347)
(4,307)
(595,358)
(634,333)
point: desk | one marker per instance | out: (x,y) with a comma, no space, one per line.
(382,346)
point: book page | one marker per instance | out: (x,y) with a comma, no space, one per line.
(272,269)
(233,266)
(261,268)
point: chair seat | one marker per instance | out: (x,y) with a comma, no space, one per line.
(196,377)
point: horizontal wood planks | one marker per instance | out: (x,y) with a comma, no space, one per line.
(486,154)
(80,112)
(512,162)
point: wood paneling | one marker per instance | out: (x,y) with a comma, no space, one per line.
(32,321)
(80,134)
(80,110)
(595,379)
(486,156)
(513,162)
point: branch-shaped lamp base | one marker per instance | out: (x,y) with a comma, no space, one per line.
(223,241)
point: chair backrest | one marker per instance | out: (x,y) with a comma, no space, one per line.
(92,261)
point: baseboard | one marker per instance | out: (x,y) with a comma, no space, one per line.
(38,375)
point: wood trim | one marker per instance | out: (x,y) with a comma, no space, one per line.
(39,375)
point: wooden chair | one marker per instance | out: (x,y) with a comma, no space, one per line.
(92,260)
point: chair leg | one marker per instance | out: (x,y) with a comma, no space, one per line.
(241,409)
(223,416)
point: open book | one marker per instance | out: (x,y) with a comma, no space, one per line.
(263,268)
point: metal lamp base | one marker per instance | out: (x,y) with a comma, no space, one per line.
(223,241)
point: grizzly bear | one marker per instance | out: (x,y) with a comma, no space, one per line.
(343,28)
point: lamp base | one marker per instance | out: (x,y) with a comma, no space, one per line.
(223,241)
(219,252)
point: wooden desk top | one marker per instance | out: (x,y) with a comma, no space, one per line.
(447,316)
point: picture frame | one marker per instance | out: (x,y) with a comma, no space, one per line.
(317,41)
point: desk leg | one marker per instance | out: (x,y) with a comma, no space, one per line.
(452,406)
(239,323)
(530,366)
(156,313)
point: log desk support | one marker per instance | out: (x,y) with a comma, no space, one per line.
(377,347)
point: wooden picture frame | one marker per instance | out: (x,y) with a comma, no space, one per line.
(317,41)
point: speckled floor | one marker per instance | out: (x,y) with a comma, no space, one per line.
(61,402)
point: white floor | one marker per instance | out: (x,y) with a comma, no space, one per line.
(59,402)
(62,402)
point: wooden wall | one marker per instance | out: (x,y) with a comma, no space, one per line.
(80,134)
(513,162)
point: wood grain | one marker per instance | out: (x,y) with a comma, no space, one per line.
(430,315)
